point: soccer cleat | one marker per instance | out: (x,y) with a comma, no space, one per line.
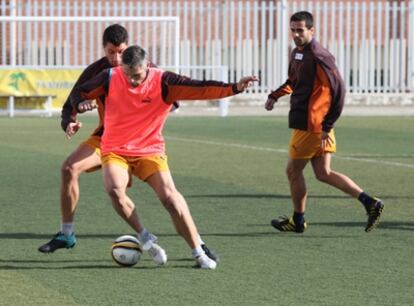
(374,214)
(157,254)
(59,241)
(285,224)
(210,253)
(205,262)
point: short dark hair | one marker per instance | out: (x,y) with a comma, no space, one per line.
(115,34)
(134,56)
(303,16)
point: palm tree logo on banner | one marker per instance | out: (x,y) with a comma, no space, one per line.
(16,78)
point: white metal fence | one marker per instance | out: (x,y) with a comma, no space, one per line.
(67,42)
(373,41)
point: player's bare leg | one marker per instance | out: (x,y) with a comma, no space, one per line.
(175,204)
(323,172)
(294,172)
(80,160)
(373,206)
(116,180)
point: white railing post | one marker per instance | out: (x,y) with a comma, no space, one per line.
(177,45)
(48,105)
(410,72)
(224,103)
(13,40)
(284,40)
(10,106)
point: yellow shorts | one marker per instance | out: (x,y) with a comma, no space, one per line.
(142,167)
(306,145)
(95,143)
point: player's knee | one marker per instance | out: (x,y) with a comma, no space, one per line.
(69,170)
(169,204)
(116,195)
(322,176)
(169,200)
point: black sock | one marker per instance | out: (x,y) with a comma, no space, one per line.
(366,200)
(298,218)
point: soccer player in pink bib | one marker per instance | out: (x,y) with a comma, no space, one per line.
(138,100)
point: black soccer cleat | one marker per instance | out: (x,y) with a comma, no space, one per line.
(59,241)
(210,253)
(374,214)
(285,224)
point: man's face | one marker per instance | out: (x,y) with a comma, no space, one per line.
(114,53)
(300,33)
(135,74)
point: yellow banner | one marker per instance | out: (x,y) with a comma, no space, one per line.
(31,82)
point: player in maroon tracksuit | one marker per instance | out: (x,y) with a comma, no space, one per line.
(86,156)
(317,98)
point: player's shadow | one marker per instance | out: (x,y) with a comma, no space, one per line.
(408,156)
(272,233)
(284,196)
(389,225)
(82,264)
(72,267)
(240,195)
(47,236)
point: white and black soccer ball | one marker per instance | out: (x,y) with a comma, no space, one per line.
(126,251)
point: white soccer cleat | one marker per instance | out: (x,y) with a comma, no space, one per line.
(204,262)
(157,254)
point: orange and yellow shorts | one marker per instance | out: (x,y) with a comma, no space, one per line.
(142,167)
(95,143)
(307,145)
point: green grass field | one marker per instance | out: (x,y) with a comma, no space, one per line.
(231,172)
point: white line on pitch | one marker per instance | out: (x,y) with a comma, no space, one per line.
(243,146)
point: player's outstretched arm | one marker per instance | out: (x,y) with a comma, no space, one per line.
(246,82)
(178,87)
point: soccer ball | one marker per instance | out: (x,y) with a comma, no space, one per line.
(126,251)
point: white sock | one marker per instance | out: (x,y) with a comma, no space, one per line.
(142,234)
(198,251)
(200,240)
(67,228)
(144,237)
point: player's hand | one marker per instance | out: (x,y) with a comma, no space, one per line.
(246,82)
(87,105)
(72,129)
(326,140)
(270,104)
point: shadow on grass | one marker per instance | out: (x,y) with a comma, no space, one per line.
(389,225)
(90,267)
(49,236)
(240,195)
(17,264)
(393,225)
(284,196)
